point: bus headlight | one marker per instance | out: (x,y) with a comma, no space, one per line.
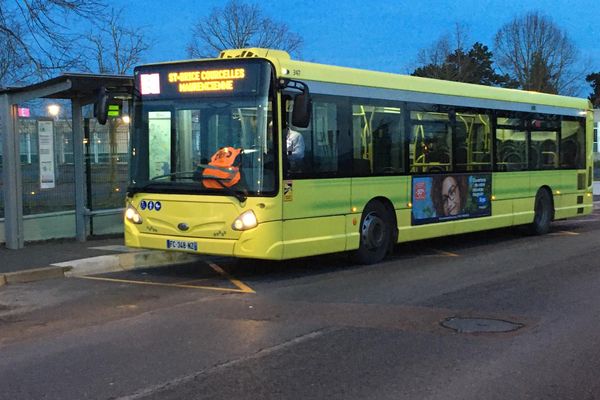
(133,215)
(246,220)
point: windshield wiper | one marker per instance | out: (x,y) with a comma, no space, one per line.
(195,175)
(181,174)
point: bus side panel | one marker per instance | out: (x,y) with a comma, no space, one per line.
(312,236)
(572,200)
(264,242)
(314,219)
(515,187)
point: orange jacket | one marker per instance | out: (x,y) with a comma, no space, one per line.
(224,165)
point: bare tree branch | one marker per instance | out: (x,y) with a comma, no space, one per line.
(537,54)
(116,48)
(240,25)
(38,35)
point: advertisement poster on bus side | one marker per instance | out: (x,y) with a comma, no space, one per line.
(449,197)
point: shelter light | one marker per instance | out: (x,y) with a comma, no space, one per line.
(126,119)
(53,109)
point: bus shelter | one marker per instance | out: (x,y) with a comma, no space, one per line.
(58,163)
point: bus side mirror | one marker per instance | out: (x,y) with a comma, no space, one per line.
(302,110)
(101,106)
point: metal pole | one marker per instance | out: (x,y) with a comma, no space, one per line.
(11,173)
(79,161)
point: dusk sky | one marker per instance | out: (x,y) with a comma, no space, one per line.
(376,35)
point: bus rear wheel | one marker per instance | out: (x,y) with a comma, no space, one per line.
(375,233)
(542,213)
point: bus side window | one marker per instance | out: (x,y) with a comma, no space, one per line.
(511,142)
(572,144)
(321,140)
(378,135)
(431,139)
(473,135)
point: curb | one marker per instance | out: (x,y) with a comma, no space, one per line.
(32,275)
(99,265)
(124,262)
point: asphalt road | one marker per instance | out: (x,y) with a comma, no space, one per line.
(322,328)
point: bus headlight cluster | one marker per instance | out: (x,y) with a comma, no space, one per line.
(133,215)
(246,220)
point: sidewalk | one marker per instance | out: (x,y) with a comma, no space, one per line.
(64,257)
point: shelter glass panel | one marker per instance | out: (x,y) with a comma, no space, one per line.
(107,167)
(46,153)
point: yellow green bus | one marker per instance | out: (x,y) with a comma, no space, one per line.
(255,155)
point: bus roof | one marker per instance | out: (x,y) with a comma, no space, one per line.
(301,70)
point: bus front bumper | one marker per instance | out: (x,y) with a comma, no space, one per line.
(262,242)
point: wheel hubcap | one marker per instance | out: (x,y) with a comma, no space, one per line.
(373,231)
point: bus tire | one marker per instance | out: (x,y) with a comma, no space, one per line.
(543,213)
(375,233)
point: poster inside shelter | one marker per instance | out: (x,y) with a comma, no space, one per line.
(46,153)
(159,129)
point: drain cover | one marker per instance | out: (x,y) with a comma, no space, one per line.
(480,325)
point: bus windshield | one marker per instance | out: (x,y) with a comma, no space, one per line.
(207,130)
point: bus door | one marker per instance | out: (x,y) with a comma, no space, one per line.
(316,186)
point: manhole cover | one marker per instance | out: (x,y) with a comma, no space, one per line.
(480,325)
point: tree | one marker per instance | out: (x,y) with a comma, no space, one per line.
(11,62)
(35,39)
(239,25)
(537,54)
(433,60)
(448,59)
(594,80)
(116,49)
(475,66)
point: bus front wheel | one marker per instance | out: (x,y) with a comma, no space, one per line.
(543,212)
(375,233)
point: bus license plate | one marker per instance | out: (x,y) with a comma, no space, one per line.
(182,245)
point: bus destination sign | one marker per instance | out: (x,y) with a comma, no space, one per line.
(206,80)
(203,79)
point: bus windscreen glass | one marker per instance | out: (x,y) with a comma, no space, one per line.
(204,127)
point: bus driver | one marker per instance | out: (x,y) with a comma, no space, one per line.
(295,148)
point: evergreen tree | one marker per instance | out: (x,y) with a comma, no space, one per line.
(474,66)
(594,80)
